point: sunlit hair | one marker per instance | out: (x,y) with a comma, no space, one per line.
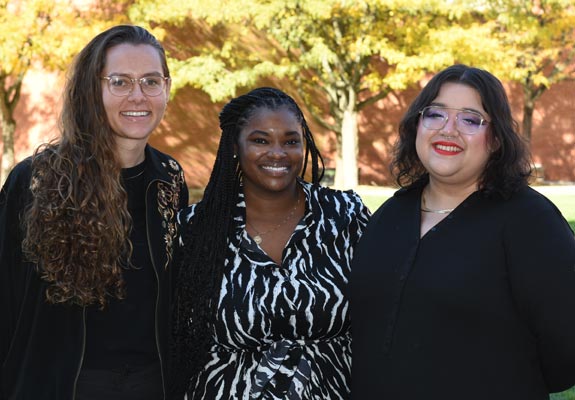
(77,226)
(509,164)
(201,261)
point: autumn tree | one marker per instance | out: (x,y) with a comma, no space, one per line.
(43,33)
(344,54)
(538,46)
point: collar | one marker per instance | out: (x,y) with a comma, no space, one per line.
(159,166)
(240,213)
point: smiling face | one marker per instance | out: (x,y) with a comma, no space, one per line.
(133,117)
(270,150)
(448,155)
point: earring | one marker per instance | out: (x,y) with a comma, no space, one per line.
(235,156)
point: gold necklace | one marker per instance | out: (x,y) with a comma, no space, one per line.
(428,210)
(258,237)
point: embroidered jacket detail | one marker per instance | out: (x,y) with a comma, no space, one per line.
(168,202)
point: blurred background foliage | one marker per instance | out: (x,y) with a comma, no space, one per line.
(342,55)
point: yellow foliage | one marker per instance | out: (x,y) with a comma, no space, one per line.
(49,32)
(335,39)
(370,47)
(537,40)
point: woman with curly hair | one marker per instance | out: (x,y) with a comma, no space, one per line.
(463,284)
(86,236)
(261,305)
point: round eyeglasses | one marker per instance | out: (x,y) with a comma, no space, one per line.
(466,121)
(122,85)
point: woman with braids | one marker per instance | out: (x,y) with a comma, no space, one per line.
(87,226)
(261,306)
(463,283)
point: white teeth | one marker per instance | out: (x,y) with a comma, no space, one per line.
(448,148)
(275,169)
(136,113)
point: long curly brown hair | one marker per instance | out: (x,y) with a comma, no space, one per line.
(77,224)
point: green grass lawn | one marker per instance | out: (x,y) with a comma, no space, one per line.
(373,201)
(565,203)
(567,395)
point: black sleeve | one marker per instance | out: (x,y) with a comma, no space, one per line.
(540,251)
(13,198)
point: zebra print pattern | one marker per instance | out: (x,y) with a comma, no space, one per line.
(282,332)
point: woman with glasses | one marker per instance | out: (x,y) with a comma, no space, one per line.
(87,226)
(463,285)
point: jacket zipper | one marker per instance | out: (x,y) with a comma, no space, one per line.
(81,354)
(157,292)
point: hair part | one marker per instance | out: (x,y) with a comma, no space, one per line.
(77,225)
(202,259)
(508,166)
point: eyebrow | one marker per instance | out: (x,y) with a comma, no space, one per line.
(154,73)
(455,108)
(260,132)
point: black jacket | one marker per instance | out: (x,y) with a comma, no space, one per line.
(41,344)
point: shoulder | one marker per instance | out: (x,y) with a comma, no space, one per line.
(528,221)
(342,201)
(19,178)
(22,169)
(403,200)
(528,203)
(165,168)
(529,196)
(163,161)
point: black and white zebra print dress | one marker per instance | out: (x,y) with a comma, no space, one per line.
(283,332)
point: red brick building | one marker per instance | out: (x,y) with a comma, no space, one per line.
(190,130)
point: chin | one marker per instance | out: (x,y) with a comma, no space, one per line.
(280,187)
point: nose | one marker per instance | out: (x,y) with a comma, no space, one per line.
(276,150)
(136,94)
(450,125)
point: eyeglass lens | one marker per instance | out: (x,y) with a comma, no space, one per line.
(122,85)
(466,122)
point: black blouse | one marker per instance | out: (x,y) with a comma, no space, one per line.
(482,307)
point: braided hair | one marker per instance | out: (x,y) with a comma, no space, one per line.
(201,259)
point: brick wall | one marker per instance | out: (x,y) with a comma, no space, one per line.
(190,129)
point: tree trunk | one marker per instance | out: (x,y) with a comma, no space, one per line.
(531,93)
(346,173)
(527,123)
(8,129)
(9,97)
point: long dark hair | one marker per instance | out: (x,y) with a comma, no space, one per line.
(201,260)
(77,225)
(509,165)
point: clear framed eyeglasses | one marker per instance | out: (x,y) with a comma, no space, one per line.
(151,85)
(466,121)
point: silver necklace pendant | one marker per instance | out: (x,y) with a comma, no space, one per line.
(258,237)
(428,210)
(446,211)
